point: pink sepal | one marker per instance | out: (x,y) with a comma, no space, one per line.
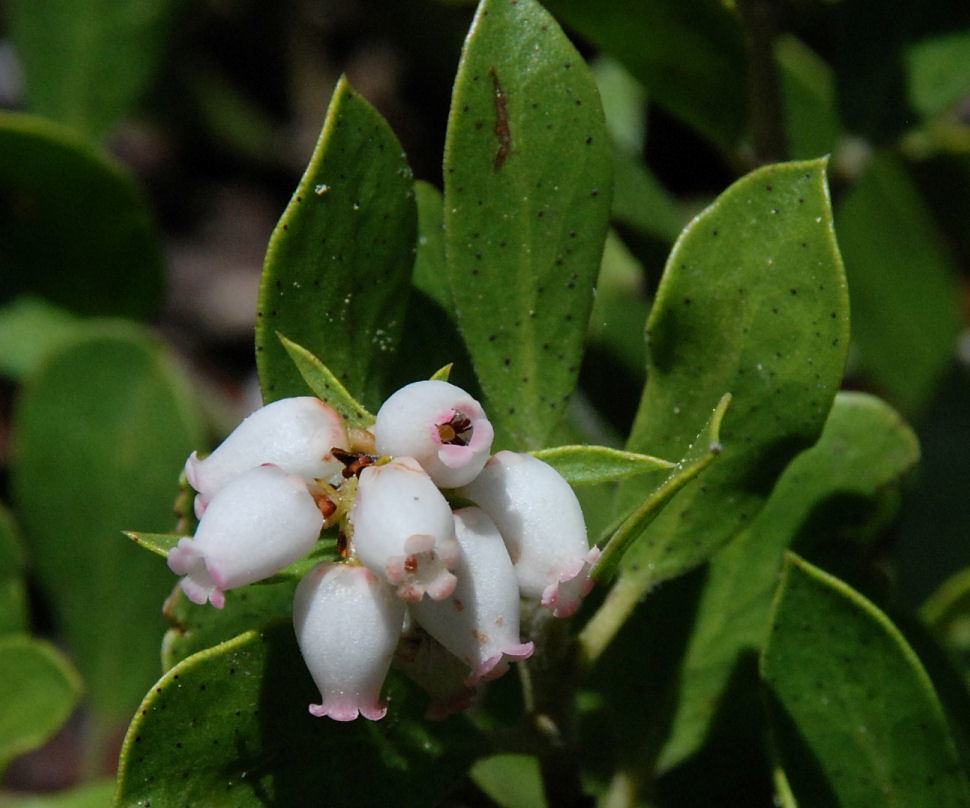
(564,596)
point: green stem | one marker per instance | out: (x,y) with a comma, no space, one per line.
(761,19)
(609,618)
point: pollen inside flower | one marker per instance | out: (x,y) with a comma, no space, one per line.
(457,430)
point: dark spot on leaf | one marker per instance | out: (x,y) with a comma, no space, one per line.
(508,361)
(589,140)
(769,188)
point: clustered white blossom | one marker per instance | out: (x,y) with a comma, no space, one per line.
(437,590)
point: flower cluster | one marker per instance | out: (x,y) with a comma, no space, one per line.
(436,589)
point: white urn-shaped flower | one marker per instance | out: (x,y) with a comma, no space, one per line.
(347,622)
(439,425)
(479,622)
(403,529)
(257,524)
(542,524)
(296,434)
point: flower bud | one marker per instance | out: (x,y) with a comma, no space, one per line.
(542,524)
(295,434)
(256,525)
(439,425)
(479,623)
(347,625)
(403,529)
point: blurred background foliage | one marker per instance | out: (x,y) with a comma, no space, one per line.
(147,148)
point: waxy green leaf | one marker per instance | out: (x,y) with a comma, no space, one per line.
(38,691)
(584,465)
(753,300)
(103,429)
(326,386)
(857,721)
(232,721)
(905,310)
(864,452)
(73,226)
(527,196)
(86,62)
(338,266)
(621,537)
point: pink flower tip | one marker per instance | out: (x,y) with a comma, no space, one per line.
(343,710)
(496,665)
(564,596)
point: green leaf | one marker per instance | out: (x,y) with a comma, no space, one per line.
(339,263)
(74,228)
(229,726)
(430,269)
(195,628)
(103,431)
(13,589)
(86,62)
(583,465)
(622,535)
(513,781)
(158,543)
(29,329)
(38,691)
(938,72)
(624,104)
(810,100)
(689,56)
(864,450)
(858,722)
(442,373)
(640,201)
(527,194)
(91,795)
(752,300)
(947,613)
(905,295)
(325,385)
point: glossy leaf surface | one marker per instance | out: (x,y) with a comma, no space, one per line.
(857,720)
(104,429)
(231,724)
(753,301)
(864,450)
(338,266)
(598,464)
(527,196)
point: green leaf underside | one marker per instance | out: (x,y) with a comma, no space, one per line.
(905,293)
(864,448)
(513,781)
(195,627)
(73,226)
(430,269)
(753,300)
(527,193)
(107,425)
(86,62)
(338,266)
(232,721)
(623,536)
(583,465)
(326,386)
(857,720)
(38,691)
(30,328)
